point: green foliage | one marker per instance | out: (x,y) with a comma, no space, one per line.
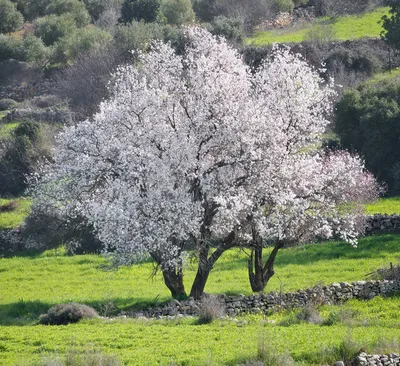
(177,12)
(29,48)
(284,6)
(36,9)
(75,8)
(136,35)
(7,103)
(51,28)
(345,27)
(146,10)
(63,314)
(10,18)
(77,358)
(230,28)
(79,41)
(391,24)
(28,145)
(367,121)
(35,52)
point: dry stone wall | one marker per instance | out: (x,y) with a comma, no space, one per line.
(335,293)
(364,359)
(380,223)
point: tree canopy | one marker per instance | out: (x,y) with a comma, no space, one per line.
(195,151)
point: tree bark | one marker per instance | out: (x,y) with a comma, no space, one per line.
(259,273)
(206,264)
(174,281)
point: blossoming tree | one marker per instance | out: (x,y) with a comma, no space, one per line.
(196,151)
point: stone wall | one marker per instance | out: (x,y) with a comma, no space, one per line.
(335,293)
(378,223)
(363,359)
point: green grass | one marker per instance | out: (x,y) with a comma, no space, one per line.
(383,76)
(12,219)
(2,114)
(346,28)
(6,129)
(32,284)
(389,205)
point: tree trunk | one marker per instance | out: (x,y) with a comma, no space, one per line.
(260,274)
(206,264)
(174,281)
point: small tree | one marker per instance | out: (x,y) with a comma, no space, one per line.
(146,10)
(10,18)
(177,12)
(391,25)
(195,151)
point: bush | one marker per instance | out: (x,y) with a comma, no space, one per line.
(75,8)
(30,144)
(320,33)
(47,228)
(211,308)
(11,47)
(79,41)
(36,9)
(51,28)
(63,314)
(230,28)
(6,104)
(177,12)
(10,18)
(285,6)
(35,52)
(366,120)
(146,10)
(136,36)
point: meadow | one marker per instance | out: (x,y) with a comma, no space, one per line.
(344,27)
(33,283)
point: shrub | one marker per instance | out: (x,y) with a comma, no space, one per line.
(230,28)
(46,228)
(177,12)
(29,145)
(35,52)
(10,18)
(309,314)
(269,356)
(146,10)
(63,314)
(366,120)
(75,8)
(320,33)
(7,103)
(51,28)
(136,36)
(283,6)
(36,9)
(211,308)
(79,41)
(11,47)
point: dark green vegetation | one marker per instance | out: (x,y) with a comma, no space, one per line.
(367,120)
(32,284)
(390,24)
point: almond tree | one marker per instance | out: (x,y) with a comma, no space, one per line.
(196,151)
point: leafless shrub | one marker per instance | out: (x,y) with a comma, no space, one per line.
(211,308)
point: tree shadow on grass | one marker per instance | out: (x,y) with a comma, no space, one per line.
(22,312)
(368,247)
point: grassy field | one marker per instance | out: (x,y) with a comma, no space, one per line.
(31,284)
(389,205)
(345,28)
(14,218)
